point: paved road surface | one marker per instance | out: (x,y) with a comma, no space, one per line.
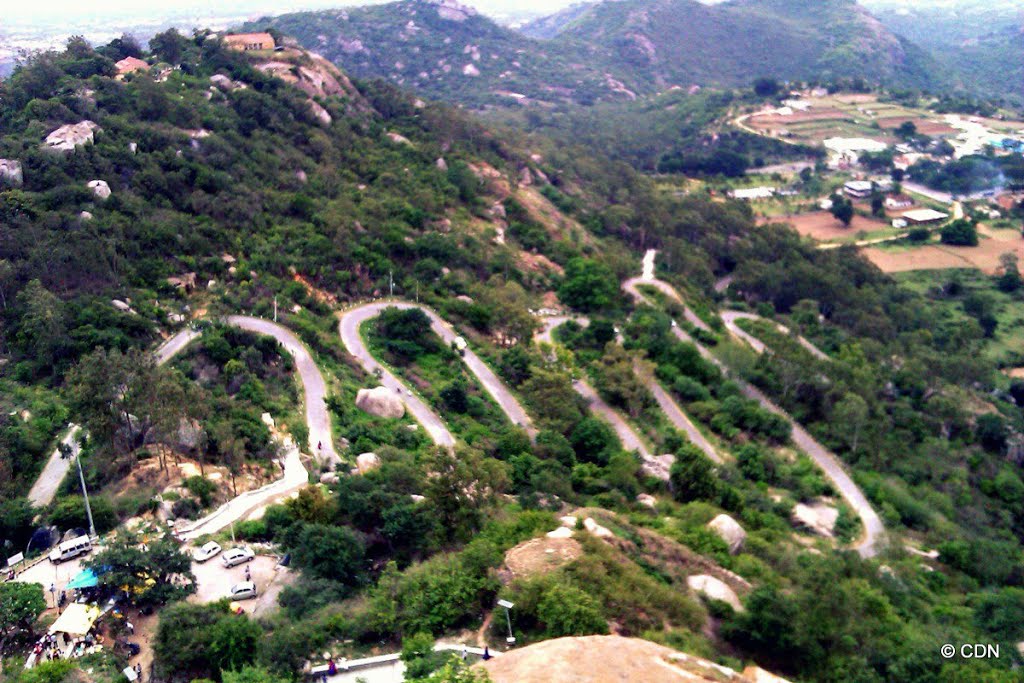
(678,418)
(730,318)
(314,388)
(667,404)
(56,468)
(349,329)
(647,278)
(874,530)
(631,441)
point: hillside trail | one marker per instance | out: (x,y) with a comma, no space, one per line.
(873,535)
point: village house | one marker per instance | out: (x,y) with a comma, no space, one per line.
(246,42)
(751,193)
(898,201)
(924,216)
(859,189)
(130,65)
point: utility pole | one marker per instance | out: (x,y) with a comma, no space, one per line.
(85,494)
(391,283)
(275,308)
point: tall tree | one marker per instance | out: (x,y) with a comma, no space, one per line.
(20,606)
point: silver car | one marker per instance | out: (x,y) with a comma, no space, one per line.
(235,556)
(242,591)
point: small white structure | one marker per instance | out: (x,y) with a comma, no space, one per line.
(858,189)
(797,105)
(899,223)
(752,193)
(919,216)
(825,204)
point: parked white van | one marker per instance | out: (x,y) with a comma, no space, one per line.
(69,549)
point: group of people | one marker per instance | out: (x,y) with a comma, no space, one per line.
(47,647)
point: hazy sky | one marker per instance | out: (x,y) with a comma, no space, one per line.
(70,10)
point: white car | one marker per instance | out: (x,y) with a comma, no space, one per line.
(242,591)
(237,556)
(206,552)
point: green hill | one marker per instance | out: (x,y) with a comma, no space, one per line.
(446,52)
(666,42)
(608,51)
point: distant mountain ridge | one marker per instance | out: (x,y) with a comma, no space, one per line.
(674,41)
(608,51)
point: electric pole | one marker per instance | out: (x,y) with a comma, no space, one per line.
(85,495)
(391,283)
(275,308)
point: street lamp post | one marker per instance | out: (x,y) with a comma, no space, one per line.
(85,494)
(511,640)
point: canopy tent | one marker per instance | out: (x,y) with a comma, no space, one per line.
(84,579)
(76,620)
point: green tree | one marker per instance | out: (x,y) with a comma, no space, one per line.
(588,285)
(405,332)
(619,379)
(201,641)
(461,484)
(553,400)
(960,232)
(692,475)
(849,416)
(906,130)
(565,610)
(253,674)
(330,552)
(42,328)
(842,210)
(126,400)
(169,46)
(766,87)
(20,606)
(154,574)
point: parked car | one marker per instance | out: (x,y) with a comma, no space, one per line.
(242,591)
(69,549)
(237,556)
(206,552)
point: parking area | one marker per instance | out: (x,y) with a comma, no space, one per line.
(214,580)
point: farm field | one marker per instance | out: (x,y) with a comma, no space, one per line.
(851,115)
(934,256)
(824,227)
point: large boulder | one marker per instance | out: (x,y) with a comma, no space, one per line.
(72,135)
(10,172)
(380,401)
(190,434)
(715,589)
(366,462)
(730,531)
(100,188)
(817,517)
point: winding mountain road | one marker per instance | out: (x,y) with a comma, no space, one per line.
(874,531)
(632,287)
(348,327)
(56,468)
(658,465)
(294,474)
(730,318)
